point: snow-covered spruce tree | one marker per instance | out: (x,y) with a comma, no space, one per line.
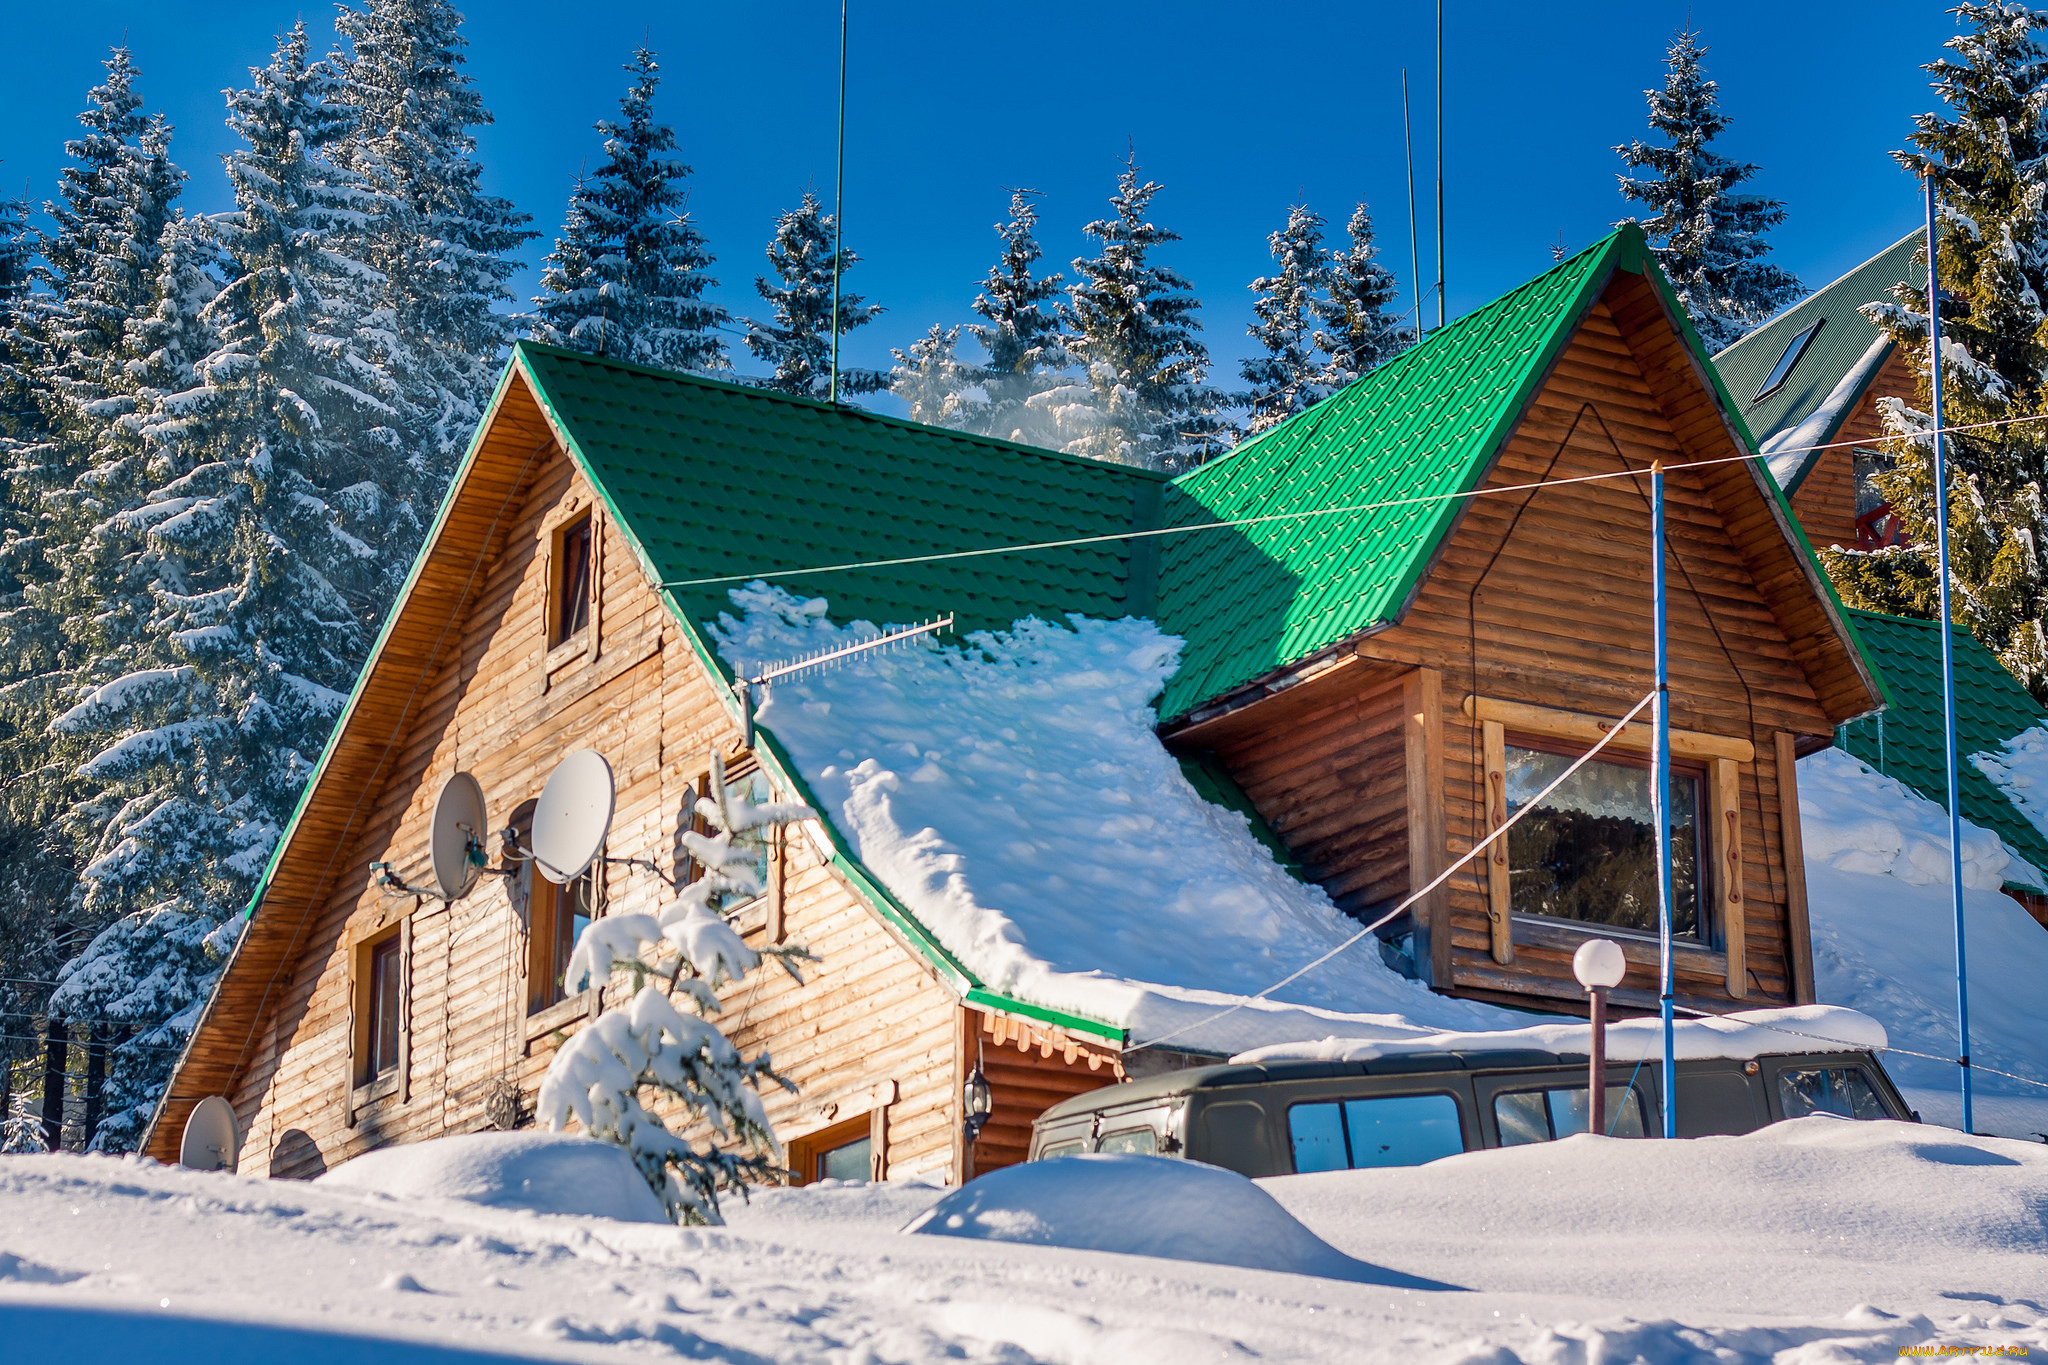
(442,245)
(265,525)
(1991,151)
(651,1044)
(933,380)
(798,342)
(1361,329)
(1709,238)
(1289,376)
(628,275)
(1020,338)
(1142,396)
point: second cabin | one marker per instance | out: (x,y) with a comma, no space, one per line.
(1381,628)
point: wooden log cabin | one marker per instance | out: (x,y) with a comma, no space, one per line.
(1813,376)
(1395,637)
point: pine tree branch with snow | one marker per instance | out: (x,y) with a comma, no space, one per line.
(600,1075)
(797,341)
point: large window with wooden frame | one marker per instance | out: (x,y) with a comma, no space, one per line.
(378,982)
(1589,851)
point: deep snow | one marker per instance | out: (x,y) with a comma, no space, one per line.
(538,1171)
(1815,1241)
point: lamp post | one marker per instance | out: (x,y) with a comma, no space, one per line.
(1599,966)
(976,1104)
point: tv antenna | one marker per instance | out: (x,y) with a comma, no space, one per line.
(455,844)
(746,684)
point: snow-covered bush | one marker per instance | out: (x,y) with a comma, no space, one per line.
(601,1073)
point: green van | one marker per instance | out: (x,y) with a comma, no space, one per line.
(1285,1117)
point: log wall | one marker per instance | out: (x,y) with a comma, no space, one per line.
(1826,500)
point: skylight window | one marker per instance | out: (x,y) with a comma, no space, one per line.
(1782,371)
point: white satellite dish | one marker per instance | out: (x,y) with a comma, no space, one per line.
(212,1141)
(458,825)
(574,815)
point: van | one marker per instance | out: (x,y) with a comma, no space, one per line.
(1289,1117)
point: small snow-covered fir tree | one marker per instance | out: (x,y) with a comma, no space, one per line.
(1142,397)
(1288,377)
(628,275)
(652,1045)
(1020,338)
(1362,331)
(1709,237)
(442,245)
(798,341)
(933,380)
(1989,148)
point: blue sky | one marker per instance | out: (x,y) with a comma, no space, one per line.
(1238,109)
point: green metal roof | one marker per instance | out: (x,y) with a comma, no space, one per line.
(1252,599)
(1842,344)
(1905,741)
(717,479)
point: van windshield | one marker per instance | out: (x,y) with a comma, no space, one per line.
(1392,1130)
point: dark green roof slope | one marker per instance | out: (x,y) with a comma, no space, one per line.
(1905,741)
(716,479)
(1842,342)
(1255,598)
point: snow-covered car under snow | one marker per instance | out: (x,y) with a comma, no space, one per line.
(1287,1116)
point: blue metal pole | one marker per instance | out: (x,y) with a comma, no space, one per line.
(1948,660)
(1660,796)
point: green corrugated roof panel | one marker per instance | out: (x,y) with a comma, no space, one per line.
(1843,340)
(1255,598)
(716,478)
(1905,741)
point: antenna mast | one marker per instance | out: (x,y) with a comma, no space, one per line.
(1414,245)
(1439,164)
(839,207)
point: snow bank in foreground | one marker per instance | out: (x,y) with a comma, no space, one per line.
(1145,1206)
(543,1172)
(1750,1033)
(2020,770)
(1884,944)
(1013,794)
(1855,819)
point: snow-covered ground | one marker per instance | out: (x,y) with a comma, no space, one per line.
(1814,1241)
(1877,887)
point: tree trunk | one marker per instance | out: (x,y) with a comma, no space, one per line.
(56,1051)
(95,1081)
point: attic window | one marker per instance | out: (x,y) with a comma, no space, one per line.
(572,583)
(1782,371)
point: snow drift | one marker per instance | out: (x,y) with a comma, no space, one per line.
(1013,794)
(1145,1206)
(541,1172)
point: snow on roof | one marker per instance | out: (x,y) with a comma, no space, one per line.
(1740,1036)
(1790,451)
(1013,795)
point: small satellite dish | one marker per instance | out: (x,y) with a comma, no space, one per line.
(211,1140)
(458,827)
(574,815)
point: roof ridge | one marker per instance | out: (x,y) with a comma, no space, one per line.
(1789,309)
(742,389)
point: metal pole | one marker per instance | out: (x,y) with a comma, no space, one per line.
(1948,659)
(1439,164)
(1596,1069)
(1660,796)
(1414,243)
(839,207)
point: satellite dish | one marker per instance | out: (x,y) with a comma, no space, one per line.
(211,1140)
(458,827)
(574,815)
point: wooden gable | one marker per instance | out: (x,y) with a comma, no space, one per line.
(1372,764)
(1825,500)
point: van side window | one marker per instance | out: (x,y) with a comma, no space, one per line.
(1841,1090)
(1059,1149)
(1142,1141)
(1393,1130)
(1540,1115)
